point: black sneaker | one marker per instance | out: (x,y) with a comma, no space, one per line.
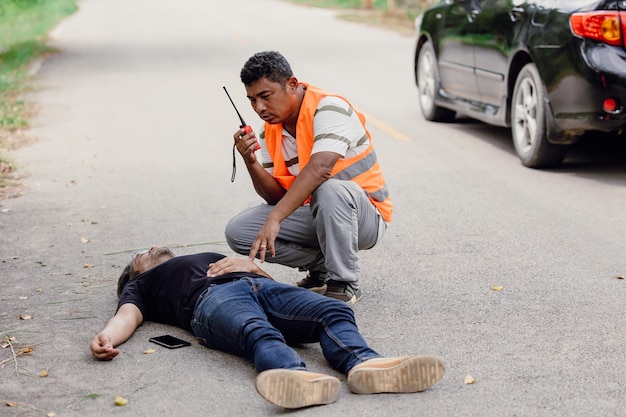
(344,291)
(315,281)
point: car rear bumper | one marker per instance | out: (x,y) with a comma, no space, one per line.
(577,95)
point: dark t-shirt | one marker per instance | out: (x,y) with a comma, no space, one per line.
(168,292)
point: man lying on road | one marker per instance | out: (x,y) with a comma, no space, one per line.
(232,305)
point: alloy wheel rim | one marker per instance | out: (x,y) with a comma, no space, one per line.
(427,82)
(525,123)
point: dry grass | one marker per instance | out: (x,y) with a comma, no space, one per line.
(397,20)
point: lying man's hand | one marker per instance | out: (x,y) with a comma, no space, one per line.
(102,349)
(228,264)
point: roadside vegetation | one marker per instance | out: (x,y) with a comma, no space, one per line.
(393,14)
(24,26)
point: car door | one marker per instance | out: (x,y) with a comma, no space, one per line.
(456,50)
(498,25)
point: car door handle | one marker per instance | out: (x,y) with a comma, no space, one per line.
(515,13)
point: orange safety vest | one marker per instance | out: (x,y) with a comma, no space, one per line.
(363,169)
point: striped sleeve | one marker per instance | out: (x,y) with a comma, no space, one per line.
(264,154)
(337,128)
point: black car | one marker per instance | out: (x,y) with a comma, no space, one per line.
(549,69)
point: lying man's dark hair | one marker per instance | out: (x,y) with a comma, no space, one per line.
(127,275)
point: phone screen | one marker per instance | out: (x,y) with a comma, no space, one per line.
(170,342)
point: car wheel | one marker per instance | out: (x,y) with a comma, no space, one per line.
(528,122)
(427,76)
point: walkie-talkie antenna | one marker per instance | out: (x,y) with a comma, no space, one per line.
(243,124)
(246,129)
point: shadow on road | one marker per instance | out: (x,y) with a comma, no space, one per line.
(597,156)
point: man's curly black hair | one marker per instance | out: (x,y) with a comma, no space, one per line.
(269,64)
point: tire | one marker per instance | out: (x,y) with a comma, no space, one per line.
(528,122)
(427,77)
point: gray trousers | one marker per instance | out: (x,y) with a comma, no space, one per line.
(327,234)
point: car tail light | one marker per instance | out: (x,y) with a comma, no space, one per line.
(606,26)
(610,105)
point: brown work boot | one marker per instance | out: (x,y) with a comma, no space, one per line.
(290,388)
(314,281)
(402,374)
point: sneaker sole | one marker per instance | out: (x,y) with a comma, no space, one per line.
(342,297)
(411,374)
(319,290)
(292,389)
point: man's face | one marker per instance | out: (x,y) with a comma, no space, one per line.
(274,102)
(148,259)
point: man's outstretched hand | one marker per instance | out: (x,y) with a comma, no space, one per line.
(102,348)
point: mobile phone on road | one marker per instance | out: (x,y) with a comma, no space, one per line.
(169,342)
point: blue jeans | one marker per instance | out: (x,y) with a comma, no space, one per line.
(256,318)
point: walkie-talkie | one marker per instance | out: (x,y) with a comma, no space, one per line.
(246,129)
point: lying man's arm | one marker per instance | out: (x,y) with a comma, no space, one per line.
(117,330)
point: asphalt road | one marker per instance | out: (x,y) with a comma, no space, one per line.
(134,149)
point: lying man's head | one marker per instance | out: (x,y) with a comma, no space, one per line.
(142,262)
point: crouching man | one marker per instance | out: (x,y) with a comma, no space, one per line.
(232,305)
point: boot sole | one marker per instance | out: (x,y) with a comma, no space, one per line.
(411,374)
(295,389)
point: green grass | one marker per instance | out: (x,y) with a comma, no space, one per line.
(24,25)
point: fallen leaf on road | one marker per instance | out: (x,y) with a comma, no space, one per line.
(11,404)
(497,287)
(43,373)
(51,414)
(87,265)
(25,317)
(469,380)
(620,277)
(6,342)
(120,401)
(148,351)
(84,240)
(25,351)
(23,297)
